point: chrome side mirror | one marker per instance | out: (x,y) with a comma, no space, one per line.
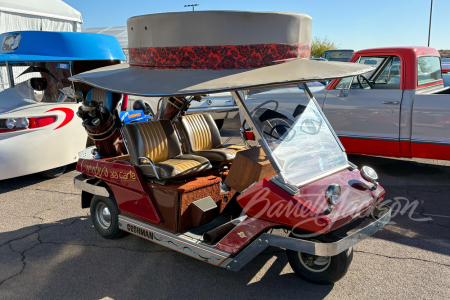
(342,93)
(78,96)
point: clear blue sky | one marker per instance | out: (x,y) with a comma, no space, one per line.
(350,23)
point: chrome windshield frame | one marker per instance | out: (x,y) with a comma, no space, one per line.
(279,180)
(311,97)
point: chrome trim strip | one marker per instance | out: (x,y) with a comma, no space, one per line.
(418,141)
(321,249)
(199,251)
(368,137)
(214,109)
(79,182)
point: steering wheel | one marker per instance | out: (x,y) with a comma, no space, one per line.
(264,103)
(365,79)
(275,129)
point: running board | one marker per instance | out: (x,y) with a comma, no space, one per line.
(172,241)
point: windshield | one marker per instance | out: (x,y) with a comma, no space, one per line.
(385,75)
(297,134)
(43,81)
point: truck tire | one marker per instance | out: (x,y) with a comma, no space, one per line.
(105,217)
(219,123)
(53,173)
(320,269)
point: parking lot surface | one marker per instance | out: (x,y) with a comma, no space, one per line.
(50,250)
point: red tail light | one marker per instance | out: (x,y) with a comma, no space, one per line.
(41,121)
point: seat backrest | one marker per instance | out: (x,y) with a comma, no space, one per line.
(156,140)
(198,132)
(101,95)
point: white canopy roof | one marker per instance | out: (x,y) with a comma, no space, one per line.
(55,9)
(119,32)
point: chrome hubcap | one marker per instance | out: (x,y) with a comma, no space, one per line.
(314,263)
(103,216)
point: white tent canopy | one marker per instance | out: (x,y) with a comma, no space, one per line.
(46,15)
(40,15)
(119,32)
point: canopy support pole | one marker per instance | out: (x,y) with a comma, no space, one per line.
(10,75)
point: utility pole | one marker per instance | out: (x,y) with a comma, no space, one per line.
(193,5)
(429,29)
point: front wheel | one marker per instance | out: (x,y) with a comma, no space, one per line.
(105,217)
(320,269)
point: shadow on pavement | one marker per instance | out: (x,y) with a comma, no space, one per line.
(419,195)
(70,260)
(16,183)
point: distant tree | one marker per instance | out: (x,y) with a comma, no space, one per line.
(318,45)
(445,53)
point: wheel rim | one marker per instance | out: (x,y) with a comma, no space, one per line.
(314,263)
(103,216)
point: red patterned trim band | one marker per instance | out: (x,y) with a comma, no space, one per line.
(216,57)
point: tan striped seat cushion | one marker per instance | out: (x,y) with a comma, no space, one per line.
(157,140)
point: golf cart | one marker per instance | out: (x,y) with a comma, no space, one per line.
(37,106)
(183,187)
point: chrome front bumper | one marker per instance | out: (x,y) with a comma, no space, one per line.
(79,182)
(320,249)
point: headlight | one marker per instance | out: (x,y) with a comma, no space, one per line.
(333,193)
(369,174)
(11,123)
(24,122)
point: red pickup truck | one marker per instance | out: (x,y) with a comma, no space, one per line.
(400,109)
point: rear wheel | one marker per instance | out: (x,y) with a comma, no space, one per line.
(53,173)
(320,269)
(105,217)
(219,123)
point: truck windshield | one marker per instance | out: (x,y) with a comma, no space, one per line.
(299,138)
(43,81)
(428,69)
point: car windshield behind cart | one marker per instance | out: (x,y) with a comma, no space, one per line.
(43,81)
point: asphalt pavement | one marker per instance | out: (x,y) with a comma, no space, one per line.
(50,250)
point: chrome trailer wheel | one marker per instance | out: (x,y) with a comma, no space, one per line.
(105,217)
(320,269)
